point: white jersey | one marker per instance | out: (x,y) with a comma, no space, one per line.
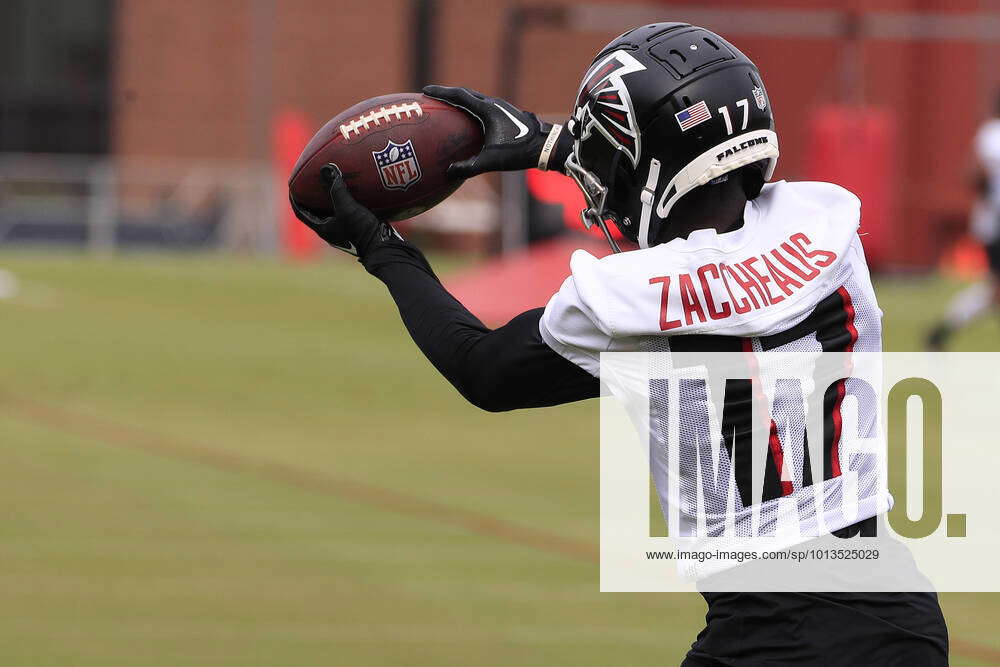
(988,152)
(792,278)
(986,213)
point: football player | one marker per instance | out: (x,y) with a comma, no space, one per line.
(672,141)
(977,299)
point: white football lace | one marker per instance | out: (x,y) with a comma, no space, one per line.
(376,116)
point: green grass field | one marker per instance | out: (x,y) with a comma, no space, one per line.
(216,461)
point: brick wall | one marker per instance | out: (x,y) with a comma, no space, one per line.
(197,78)
(202,78)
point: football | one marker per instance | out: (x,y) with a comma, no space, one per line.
(394,152)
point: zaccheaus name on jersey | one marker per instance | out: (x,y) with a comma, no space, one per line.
(719,290)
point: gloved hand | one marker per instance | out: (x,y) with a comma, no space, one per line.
(514,139)
(352,228)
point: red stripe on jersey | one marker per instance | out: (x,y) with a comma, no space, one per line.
(838,420)
(773,441)
(778,452)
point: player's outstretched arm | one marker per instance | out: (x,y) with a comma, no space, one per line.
(514,139)
(495,369)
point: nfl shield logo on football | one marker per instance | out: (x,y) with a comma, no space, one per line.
(397,165)
(758,96)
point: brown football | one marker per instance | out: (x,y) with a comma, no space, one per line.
(394,152)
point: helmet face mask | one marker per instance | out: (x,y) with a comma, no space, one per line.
(664,109)
(595,178)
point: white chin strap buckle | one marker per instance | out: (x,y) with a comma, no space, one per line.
(648,198)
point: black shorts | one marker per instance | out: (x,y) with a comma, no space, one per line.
(830,629)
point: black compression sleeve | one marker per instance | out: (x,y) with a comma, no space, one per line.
(495,369)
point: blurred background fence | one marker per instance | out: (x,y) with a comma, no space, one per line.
(106,203)
(158,123)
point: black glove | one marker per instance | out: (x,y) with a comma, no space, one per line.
(352,228)
(514,139)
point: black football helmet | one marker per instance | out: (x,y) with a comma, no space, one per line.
(663,109)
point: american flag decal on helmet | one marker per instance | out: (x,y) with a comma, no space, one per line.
(695,114)
(603,102)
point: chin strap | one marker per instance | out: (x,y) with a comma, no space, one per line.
(648,198)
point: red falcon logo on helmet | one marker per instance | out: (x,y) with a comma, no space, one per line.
(603,102)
